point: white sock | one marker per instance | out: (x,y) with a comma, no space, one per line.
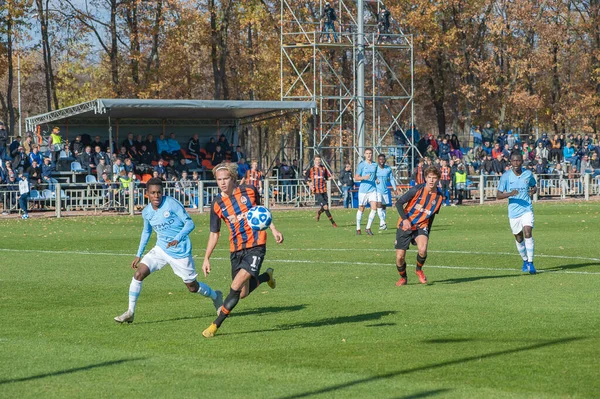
(358,219)
(529,248)
(521,249)
(381,214)
(371,218)
(134,292)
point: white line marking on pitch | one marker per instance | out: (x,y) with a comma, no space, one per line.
(312,261)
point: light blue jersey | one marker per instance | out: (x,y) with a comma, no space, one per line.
(170,222)
(366,169)
(521,203)
(385,177)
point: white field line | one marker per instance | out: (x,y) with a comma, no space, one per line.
(326,262)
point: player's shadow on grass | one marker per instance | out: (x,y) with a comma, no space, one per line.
(258,311)
(70,371)
(332,321)
(433,366)
(459,280)
(424,394)
(571,266)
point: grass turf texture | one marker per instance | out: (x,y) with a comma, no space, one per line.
(336,326)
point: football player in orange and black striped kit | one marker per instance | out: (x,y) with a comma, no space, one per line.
(417,209)
(317,177)
(247,246)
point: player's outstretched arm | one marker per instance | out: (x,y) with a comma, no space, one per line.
(276,234)
(213,239)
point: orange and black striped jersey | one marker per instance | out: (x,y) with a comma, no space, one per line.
(419,205)
(419,175)
(445,173)
(253,177)
(233,209)
(318,175)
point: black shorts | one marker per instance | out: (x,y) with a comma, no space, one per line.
(403,238)
(250,260)
(321,199)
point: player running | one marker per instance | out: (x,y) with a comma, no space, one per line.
(417,209)
(247,246)
(317,177)
(367,191)
(172,224)
(384,177)
(518,186)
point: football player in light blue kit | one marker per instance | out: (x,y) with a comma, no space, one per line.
(172,224)
(518,186)
(384,177)
(367,191)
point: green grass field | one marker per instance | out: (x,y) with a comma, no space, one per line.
(335,326)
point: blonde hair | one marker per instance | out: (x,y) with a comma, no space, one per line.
(229,166)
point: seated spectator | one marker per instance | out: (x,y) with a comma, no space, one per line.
(161,168)
(133,154)
(569,154)
(555,149)
(541,151)
(193,148)
(99,154)
(195,176)
(128,142)
(487,167)
(87,159)
(14,146)
(35,155)
(117,168)
(499,165)
(237,154)
(122,154)
(430,153)
(445,149)
(243,167)
(211,146)
(171,169)
(541,166)
(586,165)
(455,147)
(218,156)
(225,147)
(35,174)
(156,175)
(471,159)
(146,157)
(162,146)
(103,168)
(77,147)
(181,167)
(486,147)
(174,146)
(129,166)
(595,164)
(151,145)
(477,137)
(496,151)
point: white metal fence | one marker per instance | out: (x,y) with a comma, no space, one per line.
(291,193)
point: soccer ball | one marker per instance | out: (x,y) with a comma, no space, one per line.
(259,218)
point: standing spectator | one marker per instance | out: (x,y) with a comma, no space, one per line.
(23,195)
(146,157)
(445,182)
(347,182)
(138,141)
(194,148)
(98,143)
(20,160)
(102,168)
(243,167)
(56,144)
(488,133)
(383,23)
(28,144)
(14,146)
(460,179)
(3,141)
(254,176)
(328,19)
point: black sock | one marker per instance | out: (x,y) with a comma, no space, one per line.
(320,211)
(329,216)
(228,304)
(402,270)
(420,262)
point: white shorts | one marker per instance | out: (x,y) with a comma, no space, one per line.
(365,199)
(157,258)
(517,224)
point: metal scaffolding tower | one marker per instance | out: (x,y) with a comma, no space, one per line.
(325,67)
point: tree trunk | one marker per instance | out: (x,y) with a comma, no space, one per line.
(114,49)
(134,45)
(9,50)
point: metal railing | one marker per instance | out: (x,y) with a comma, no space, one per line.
(198,195)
